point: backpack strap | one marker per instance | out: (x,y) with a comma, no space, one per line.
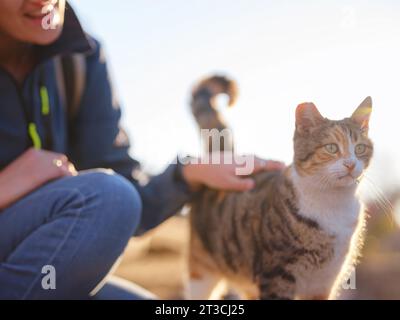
(71,81)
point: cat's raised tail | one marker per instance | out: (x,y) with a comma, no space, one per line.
(204,107)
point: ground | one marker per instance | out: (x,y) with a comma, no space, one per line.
(156,261)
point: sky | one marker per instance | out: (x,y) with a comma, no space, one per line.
(282,53)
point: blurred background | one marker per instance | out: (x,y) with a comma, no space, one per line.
(282,53)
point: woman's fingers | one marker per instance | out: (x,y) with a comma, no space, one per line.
(267,165)
(240,184)
(72,169)
(62,164)
(274,165)
(68,169)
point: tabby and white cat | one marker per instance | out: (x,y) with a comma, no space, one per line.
(297,233)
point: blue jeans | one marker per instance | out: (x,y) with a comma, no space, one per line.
(78,225)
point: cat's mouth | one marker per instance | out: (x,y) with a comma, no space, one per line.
(348,175)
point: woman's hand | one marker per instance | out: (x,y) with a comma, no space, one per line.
(225,176)
(29,171)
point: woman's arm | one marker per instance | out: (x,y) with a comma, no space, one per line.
(29,171)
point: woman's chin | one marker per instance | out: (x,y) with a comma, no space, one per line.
(45,37)
(44,28)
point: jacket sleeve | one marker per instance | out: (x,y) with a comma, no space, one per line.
(96,140)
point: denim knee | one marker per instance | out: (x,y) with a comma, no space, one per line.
(119,201)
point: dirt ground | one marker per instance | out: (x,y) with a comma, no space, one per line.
(156,261)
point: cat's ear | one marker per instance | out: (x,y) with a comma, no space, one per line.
(307,117)
(362,114)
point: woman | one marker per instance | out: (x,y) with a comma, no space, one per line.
(51,215)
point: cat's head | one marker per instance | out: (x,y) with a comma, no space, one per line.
(333,153)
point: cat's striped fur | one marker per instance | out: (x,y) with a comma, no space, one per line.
(297,232)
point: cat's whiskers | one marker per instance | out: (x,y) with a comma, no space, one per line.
(326,183)
(380,200)
(322,182)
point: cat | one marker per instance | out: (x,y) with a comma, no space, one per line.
(297,234)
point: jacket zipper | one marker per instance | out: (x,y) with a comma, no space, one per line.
(22,102)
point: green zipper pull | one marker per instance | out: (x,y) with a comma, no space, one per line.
(44,95)
(37,143)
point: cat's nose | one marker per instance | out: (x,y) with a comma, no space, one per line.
(350,165)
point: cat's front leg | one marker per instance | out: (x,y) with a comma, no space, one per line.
(277,286)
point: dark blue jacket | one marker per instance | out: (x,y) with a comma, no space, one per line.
(90,139)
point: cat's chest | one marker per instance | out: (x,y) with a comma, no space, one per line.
(337,217)
(340,223)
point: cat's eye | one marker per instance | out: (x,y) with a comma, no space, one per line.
(332,148)
(360,148)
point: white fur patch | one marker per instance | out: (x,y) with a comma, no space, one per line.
(337,211)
